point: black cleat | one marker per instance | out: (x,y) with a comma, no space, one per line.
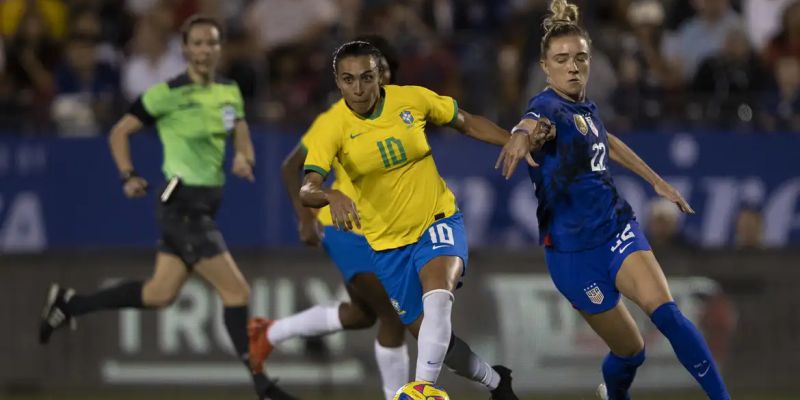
(271,391)
(54,314)
(504,390)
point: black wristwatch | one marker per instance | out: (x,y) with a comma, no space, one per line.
(125,176)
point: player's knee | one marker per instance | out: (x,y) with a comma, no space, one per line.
(236,297)
(159,298)
(650,305)
(633,348)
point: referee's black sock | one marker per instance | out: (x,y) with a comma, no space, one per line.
(123,295)
(236,324)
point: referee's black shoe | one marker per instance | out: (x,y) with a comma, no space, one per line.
(54,313)
(271,391)
(504,390)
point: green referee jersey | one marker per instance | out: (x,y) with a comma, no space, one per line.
(193,122)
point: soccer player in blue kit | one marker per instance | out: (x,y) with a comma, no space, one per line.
(594,247)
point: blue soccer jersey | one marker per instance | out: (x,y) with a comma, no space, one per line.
(579,207)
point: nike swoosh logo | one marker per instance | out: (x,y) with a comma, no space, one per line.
(433,363)
(702,374)
(534,114)
(440,246)
(622,250)
(353,136)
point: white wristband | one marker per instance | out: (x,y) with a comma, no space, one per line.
(520,131)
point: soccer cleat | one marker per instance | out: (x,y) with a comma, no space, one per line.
(503,390)
(260,347)
(54,313)
(602,392)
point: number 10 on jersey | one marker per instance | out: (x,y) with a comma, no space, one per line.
(396,152)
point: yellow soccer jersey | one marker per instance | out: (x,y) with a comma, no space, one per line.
(341,182)
(388,159)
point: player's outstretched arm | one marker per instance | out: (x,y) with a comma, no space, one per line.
(291,168)
(118,140)
(480,128)
(625,156)
(528,136)
(343,209)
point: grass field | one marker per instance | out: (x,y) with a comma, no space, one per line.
(236,395)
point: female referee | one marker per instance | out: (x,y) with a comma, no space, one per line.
(593,245)
(194,114)
(411,221)
(351,254)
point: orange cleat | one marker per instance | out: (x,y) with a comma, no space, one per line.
(260,347)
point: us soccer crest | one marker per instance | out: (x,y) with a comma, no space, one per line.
(580,123)
(407,117)
(594,293)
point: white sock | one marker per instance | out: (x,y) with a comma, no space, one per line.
(393,366)
(316,321)
(434,334)
(461,360)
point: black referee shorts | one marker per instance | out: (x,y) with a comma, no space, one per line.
(188,226)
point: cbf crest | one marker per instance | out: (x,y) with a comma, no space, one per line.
(407,117)
(594,293)
(396,305)
(580,124)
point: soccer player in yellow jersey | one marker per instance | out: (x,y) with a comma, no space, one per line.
(410,217)
(352,255)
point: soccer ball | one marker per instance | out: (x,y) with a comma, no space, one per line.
(421,391)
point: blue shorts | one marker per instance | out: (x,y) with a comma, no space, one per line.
(349,251)
(588,278)
(398,269)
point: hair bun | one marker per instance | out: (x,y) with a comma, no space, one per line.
(562,13)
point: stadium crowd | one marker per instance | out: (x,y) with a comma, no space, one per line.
(72,67)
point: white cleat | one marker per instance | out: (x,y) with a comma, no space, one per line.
(602,392)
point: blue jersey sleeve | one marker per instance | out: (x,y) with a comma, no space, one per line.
(540,106)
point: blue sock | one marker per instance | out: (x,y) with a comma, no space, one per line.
(618,373)
(691,349)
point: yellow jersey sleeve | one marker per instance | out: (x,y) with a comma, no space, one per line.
(323,140)
(441,110)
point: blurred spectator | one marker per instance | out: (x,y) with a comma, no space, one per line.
(53,12)
(156,54)
(86,89)
(729,83)
(763,20)
(787,42)
(276,23)
(663,224)
(31,57)
(749,229)
(643,71)
(782,105)
(86,23)
(702,36)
